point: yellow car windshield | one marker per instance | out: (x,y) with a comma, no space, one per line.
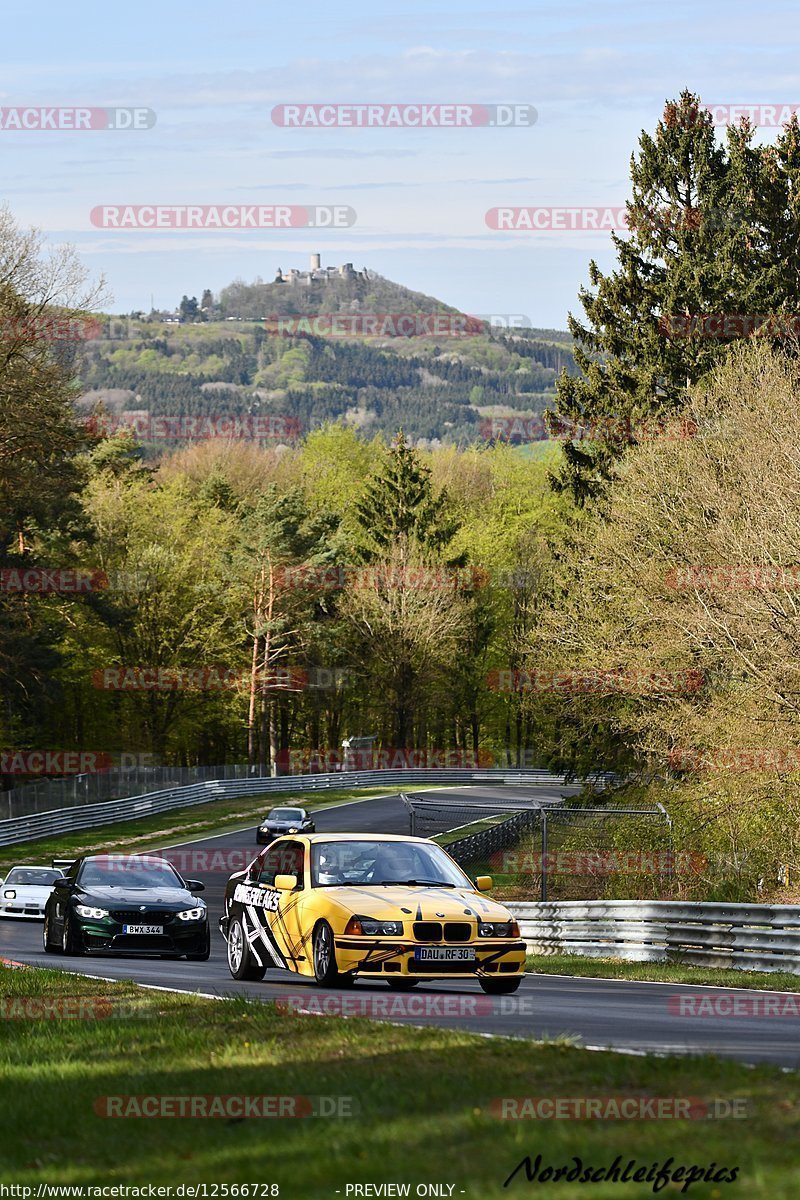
(362,862)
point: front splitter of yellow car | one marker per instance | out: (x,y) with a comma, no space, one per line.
(387,958)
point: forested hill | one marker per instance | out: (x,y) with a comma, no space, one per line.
(229,360)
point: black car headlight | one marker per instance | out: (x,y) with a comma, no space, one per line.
(192,914)
(90,914)
(369,927)
(498,929)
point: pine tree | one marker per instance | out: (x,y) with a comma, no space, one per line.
(399,508)
(710,233)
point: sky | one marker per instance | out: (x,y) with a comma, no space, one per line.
(209,76)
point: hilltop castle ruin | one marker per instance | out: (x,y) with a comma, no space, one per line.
(319,273)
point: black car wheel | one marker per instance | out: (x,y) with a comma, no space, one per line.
(205,953)
(501,987)
(402,985)
(49,948)
(69,941)
(241,963)
(325,970)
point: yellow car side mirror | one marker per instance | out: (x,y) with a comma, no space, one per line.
(484,883)
(285,883)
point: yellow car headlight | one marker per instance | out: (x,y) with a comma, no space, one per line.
(498,929)
(370,927)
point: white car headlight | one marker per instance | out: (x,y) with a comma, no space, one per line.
(95,914)
(192,914)
(10,894)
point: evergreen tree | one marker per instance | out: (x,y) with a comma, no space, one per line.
(398,508)
(711,232)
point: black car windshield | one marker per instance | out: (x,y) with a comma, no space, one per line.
(32,876)
(286,814)
(128,871)
(361,862)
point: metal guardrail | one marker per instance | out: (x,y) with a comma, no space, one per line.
(65,820)
(757,937)
(45,795)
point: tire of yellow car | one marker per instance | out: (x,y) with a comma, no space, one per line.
(324,951)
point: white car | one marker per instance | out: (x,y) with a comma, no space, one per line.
(25,890)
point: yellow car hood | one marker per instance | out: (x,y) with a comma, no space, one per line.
(395,902)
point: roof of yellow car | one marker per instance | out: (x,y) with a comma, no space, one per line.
(362,837)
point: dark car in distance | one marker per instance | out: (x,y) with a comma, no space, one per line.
(283,820)
(126,904)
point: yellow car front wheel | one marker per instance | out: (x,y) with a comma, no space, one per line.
(326,971)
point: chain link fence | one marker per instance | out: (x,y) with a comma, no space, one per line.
(574,848)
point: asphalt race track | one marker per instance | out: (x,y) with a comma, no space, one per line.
(597,1013)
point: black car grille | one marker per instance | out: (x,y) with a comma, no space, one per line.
(457,931)
(133,917)
(431,931)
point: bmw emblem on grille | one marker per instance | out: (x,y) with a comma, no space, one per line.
(142,907)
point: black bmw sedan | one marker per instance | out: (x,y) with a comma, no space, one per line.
(129,904)
(283,820)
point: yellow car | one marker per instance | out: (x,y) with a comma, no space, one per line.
(344,906)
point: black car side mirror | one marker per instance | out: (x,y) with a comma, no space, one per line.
(194,885)
(62,882)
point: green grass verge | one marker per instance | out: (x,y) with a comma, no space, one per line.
(455,835)
(204,820)
(615,968)
(424,1099)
